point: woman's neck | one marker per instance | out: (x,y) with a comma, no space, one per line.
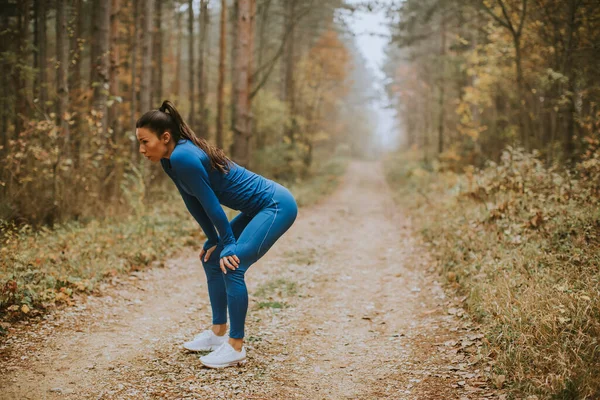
(170,148)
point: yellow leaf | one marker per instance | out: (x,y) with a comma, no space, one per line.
(25,308)
(60,296)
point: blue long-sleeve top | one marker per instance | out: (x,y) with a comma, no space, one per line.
(204,189)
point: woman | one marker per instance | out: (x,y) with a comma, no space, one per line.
(206,178)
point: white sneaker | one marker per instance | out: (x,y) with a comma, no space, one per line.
(206,341)
(224,356)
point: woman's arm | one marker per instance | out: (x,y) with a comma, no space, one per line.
(191,172)
(199,214)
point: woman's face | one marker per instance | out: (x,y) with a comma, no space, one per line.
(152,147)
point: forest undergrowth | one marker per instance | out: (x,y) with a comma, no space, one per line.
(521,241)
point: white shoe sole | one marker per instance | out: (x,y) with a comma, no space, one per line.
(230,364)
(207,348)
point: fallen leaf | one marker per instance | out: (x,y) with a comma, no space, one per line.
(499,381)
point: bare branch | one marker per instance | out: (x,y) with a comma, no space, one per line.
(523,15)
(488,10)
(270,65)
(505,13)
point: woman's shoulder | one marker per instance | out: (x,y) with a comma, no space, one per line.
(187,153)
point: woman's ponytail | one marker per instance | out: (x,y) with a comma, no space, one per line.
(168,118)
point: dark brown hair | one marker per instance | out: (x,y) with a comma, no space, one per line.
(167,118)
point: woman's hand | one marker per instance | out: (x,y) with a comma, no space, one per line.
(207,253)
(231,262)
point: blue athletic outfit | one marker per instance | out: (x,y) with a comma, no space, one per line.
(267,210)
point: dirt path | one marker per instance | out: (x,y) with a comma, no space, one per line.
(342,307)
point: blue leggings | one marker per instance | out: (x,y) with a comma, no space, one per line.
(254,237)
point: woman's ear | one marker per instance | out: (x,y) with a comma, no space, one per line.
(166,137)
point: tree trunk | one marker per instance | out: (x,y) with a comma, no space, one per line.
(289,96)
(62,59)
(157,80)
(179,65)
(23,52)
(146,56)
(100,57)
(76,47)
(42,57)
(203,19)
(426,118)
(569,72)
(441,105)
(114,67)
(134,49)
(259,139)
(191,118)
(207,80)
(521,93)
(235,45)
(75,77)
(251,68)
(262,35)
(5,89)
(221,84)
(243,71)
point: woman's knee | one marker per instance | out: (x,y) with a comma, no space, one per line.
(234,281)
(212,268)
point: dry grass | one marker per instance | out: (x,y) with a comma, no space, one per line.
(39,269)
(522,242)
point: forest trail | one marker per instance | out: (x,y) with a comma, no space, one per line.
(344,306)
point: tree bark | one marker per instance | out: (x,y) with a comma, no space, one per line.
(289,90)
(441,104)
(178,66)
(262,35)
(146,56)
(42,57)
(76,47)
(204,20)
(569,72)
(233,19)
(5,89)
(221,83)
(62,58)
(242,128)
(207,69)
(21,81)
(134,49)
(157,80)
(521,93)
(100,58)
(79,22)
(192,114)
(114,67)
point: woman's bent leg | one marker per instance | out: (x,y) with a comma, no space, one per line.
(217,292)
(256,239)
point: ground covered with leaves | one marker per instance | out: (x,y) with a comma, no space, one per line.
(522,242)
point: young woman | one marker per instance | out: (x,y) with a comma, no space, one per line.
(206,178)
